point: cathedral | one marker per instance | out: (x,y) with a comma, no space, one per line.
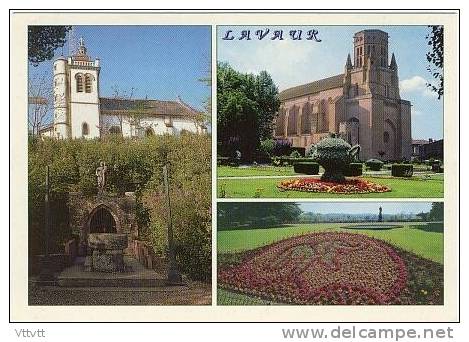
(363,104)
(79,111)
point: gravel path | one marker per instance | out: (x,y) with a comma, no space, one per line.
(193,293)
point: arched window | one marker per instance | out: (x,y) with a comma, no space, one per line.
(84,129)
(79,78)
(88,83)
(115,130)
(386,137)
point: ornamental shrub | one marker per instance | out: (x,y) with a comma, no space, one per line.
(402,170)
(374,164)
(282,147)
(354,170)
(295,154)
(309,168)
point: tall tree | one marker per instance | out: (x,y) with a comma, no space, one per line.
(43,40)
(437,211)
(246,105)
(435,58)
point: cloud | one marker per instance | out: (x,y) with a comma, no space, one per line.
(416,85)
(415,112)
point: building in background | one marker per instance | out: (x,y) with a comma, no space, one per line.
(79,111)
(362,104)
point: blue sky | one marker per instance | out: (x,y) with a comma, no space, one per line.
(293,63)
(366,207)
(161,62)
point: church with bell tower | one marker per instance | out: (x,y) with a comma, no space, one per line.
(362,104)
(80,111)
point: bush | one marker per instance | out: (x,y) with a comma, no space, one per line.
(267,146)
(374,164)
(354,170)
(295,154)
(309,168)
(402,170)
(282,147)
(436,167)
(223,160)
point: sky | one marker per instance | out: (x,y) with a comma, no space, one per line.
(161,62)
(365,207)
(292,63)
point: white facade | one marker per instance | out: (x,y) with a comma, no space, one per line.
(78,112)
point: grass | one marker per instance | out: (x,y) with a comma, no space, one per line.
(425,240)
(415,187)
(264,170)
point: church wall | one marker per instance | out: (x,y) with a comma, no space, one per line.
(156,123)
(406,149)
(84,106)
(81,113)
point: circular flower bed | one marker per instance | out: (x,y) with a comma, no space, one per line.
(320,268)
(350,186)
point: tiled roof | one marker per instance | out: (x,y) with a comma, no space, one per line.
(149,107)
(313,87)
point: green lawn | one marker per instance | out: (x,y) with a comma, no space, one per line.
(264,170)
(425,240)
(415,187)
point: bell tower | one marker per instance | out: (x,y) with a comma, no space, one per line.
(76,95)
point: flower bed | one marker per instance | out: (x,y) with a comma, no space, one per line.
(320,268)
(350,186)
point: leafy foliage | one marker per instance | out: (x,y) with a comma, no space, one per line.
(246,105)
(435,58)
(257,215)
(333,154)
(43,40)
(134,165)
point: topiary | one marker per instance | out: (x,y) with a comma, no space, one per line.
(374,164)
(334,154)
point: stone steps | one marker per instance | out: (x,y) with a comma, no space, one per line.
(137,276)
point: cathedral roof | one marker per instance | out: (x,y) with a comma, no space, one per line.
(148,107)
(312,88)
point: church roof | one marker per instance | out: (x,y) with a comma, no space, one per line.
(148,107)
(312,88)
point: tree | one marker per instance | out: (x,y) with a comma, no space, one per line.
(44,40)
(246,105)
(437,211)
(40,102)
(256,215)
(435,58)
(207,80)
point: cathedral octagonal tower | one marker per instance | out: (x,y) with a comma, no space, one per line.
(76,96)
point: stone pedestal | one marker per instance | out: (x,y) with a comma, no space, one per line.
(107,252)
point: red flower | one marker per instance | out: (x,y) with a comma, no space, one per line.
(320,268)
(350,186)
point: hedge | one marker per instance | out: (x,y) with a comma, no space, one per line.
(374,164)
(354,170)
(402,170)
(309,168)
(287,160)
